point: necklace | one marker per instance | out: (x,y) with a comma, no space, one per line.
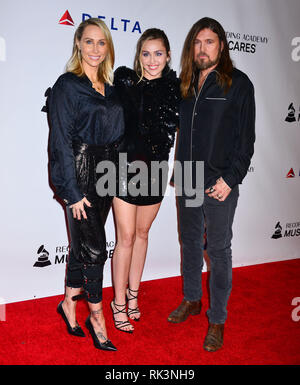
(98,86)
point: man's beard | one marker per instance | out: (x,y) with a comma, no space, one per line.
(206,64)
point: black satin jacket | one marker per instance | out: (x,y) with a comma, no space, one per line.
(151,113)
(219,128)
(78,113)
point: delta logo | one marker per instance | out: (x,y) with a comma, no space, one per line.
(290,174)
(115,24)
(66,19)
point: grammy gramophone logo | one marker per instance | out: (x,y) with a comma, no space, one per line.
(43,259)
(277,233)
(291,116)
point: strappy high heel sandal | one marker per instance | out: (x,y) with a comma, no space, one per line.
(120,325)
(131,310)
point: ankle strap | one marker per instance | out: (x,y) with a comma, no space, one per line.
(133,296)
(122,310)
(136,291)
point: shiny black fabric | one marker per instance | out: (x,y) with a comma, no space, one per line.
(88,240)
(85,129)
(78,113)
(151,118)
(219,129)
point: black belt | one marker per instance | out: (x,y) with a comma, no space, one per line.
(85,148)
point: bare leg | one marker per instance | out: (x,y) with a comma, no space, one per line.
(144,219)
(98,321)
(125,216)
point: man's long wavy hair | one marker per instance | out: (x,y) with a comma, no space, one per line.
(188,66)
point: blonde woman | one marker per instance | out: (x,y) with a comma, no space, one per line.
(86,121)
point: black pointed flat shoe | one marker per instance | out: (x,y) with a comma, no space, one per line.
(75,331)
(107,345)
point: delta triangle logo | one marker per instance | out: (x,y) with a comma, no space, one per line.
(66,19)
(290,174)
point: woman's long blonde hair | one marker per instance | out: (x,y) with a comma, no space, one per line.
(105,70)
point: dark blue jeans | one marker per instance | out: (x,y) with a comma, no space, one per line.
(216,219)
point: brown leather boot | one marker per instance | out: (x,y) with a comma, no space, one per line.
(185,309)
(214,337)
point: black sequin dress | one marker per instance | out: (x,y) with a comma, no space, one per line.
(151,118)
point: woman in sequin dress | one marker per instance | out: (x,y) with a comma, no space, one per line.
(150,96)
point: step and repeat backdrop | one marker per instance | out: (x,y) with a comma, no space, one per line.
(35,43)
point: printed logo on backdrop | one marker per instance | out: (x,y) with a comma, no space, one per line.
(292,115)
(278,231)
(291,174)
(2,49)
(245,42)
(43,259)
(114,23)
(60,255)
(290,229)
(296,51)
(66,19)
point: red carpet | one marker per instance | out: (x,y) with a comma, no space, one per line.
(259,330)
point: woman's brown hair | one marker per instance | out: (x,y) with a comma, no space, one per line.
(149,34)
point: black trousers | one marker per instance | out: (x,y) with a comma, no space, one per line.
(88,239)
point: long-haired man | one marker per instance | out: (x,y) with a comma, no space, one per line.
(217,126)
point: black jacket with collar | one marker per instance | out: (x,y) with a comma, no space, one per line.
(78,113)
(219,129)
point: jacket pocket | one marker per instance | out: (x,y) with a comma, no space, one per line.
(207,98)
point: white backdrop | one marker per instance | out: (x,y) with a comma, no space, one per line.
(264,37)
